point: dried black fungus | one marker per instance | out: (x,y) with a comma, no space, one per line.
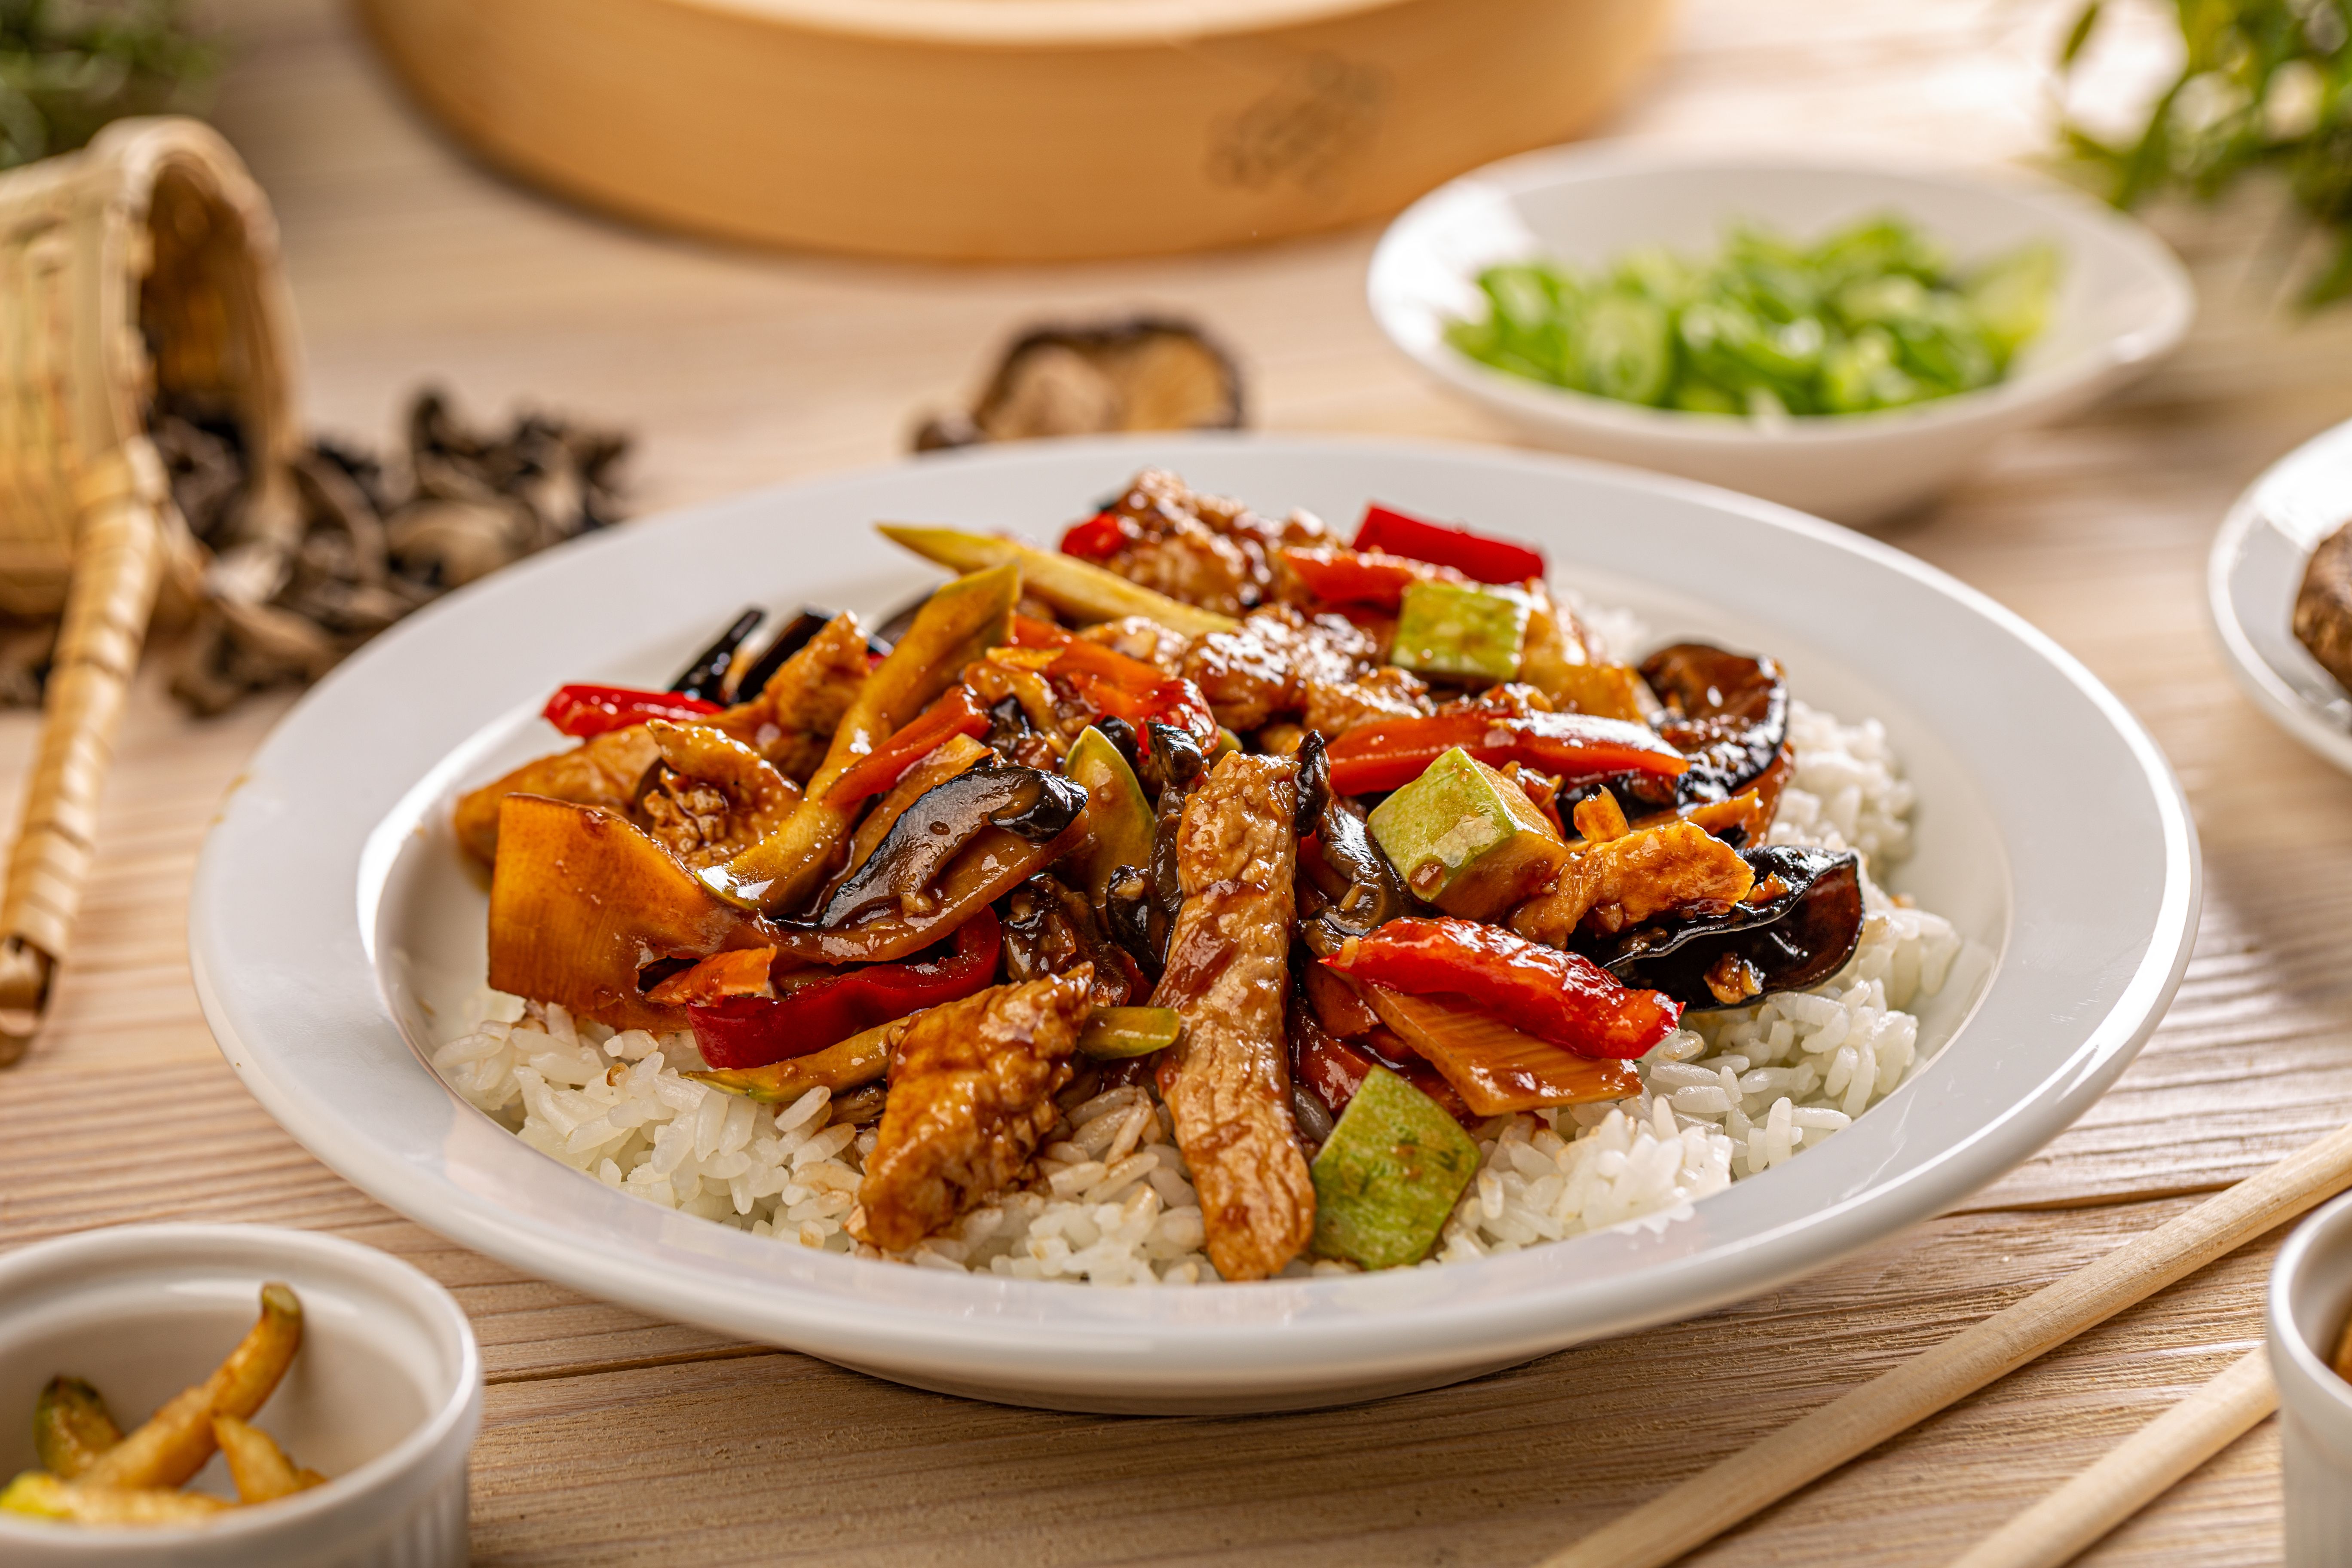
(1797,937)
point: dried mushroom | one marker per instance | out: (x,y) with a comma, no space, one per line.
(287,593)
(1144,373)
(2323,605)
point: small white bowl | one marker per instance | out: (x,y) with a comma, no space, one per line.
(2124,302)
(2310,1299)
(384,1397)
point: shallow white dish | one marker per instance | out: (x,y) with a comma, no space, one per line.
(2251,580)
(336,933)
(2124,302)
(384,1397)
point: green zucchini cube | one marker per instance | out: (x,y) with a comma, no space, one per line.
(1467,839)
(1462,631)
(1390,1175)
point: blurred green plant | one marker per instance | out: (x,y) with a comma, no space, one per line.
(2267,85)
(68,67)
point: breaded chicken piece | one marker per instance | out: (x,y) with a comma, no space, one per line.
(1623,881)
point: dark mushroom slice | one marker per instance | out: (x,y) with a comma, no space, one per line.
(1146,372)
(1176,757)
(1728,712)
(795,635)
(706,676)
(1050,929)
(1128,911)
(1359,888)
(1033,806)
(1800,930)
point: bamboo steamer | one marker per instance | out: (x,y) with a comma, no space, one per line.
(1011,129)
(148,261)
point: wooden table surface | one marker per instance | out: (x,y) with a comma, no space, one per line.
(613,1438)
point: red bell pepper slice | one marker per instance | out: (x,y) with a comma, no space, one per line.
(1566,745)
(957,712)
(1562,997)
(754,1031)
(1113,683)
(1481,557)
(1103,535)
(1367,577)
(583,711)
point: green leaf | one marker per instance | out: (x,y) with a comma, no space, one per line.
(2077,35)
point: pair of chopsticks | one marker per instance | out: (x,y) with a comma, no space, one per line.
(1694,1512)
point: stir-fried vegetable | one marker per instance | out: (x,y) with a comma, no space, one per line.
(1458,631)
(1873,316)
(1568,745)
(1558,997)
(582,711)
(1112,1033)
(1387,1177)
(958,623)
(1481,557)
(1118,819)
(956,713)
(1024,825)
(72,1428)
(744,1018)
(1467,839)
(1078,589)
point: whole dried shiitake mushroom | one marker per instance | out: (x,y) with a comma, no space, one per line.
(1146,372)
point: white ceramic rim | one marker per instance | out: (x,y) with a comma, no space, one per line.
(2311,1379)
(2270,691)
(402,1283)
(2063,384)
(1049,1336)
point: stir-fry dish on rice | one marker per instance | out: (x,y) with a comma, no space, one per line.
(1207,900)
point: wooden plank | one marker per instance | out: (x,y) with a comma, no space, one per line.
(781,1459)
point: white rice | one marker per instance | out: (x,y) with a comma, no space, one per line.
(1112,1203)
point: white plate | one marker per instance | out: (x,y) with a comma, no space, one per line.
(336,932)
(2251,580)
(2124,301)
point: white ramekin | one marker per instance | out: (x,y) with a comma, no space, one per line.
(2310,1299)
(384,1397)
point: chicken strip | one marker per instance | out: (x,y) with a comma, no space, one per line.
(789,724)
(602,770)
(1204,550)
(1624,881)
(791,719)
(1265,669)
(1236,851)
(971,1093)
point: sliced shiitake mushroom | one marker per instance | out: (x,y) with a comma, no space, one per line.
(1032,806)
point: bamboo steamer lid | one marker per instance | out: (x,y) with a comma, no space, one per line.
(146,262)
(1012,130)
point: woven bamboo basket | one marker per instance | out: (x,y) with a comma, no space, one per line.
(147,263)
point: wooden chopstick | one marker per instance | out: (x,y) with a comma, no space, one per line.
(1700,1508)
(2059,1527)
